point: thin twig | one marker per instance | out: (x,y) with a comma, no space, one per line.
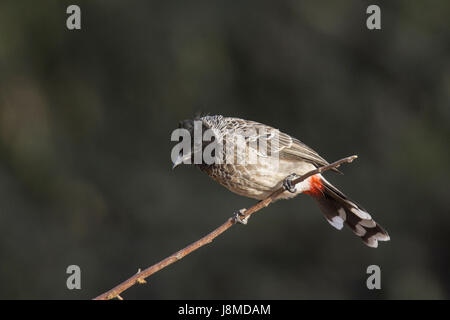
(142,275)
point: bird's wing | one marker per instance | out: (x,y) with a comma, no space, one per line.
(279,143)
(293,149)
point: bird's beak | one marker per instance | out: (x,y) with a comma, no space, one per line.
(180,159)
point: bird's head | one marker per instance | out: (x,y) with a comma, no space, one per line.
(192,141)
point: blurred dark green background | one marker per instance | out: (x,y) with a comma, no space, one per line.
(85,124)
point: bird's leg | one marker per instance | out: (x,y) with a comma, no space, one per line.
(287,183)
(240,217)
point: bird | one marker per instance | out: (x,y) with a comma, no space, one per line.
(282,160)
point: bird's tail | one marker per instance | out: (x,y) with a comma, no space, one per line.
(339,209)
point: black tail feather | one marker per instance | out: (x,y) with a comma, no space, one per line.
(339,209)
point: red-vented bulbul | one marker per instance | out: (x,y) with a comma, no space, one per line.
(286,158)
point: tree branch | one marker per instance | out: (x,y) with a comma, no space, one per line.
(140,276)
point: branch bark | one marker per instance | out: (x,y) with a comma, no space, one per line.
(140,276)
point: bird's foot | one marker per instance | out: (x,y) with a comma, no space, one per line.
(240,217)
(287,183)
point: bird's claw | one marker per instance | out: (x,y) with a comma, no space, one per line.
(287,183)
(240,217)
